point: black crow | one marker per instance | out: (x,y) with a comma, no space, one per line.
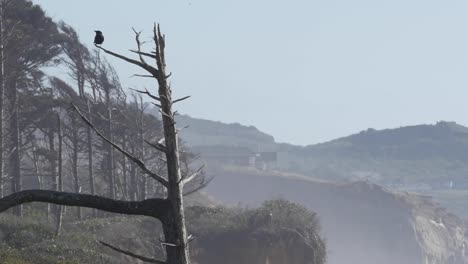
(99,38)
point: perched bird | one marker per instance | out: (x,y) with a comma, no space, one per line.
(99,38)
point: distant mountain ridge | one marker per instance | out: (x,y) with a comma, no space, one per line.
(205,132)
(429,154)
(202,132)
(413,156)
(411,142)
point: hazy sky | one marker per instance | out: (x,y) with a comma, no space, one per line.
(303,71)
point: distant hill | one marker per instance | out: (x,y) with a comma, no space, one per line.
(202,132)
(446,139)
(413,157)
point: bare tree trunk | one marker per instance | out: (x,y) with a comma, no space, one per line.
(118,185)
(90,162)
(81,82)
(90,155)
(59,185)
(76,183)
(2,98)
(53,171)
(110,149)
(15,159)
(36,167)
(134,179)
(124,167)
(175,232)
(143,188)
(110,153)
(174,228)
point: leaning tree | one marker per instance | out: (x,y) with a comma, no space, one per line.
(170,209)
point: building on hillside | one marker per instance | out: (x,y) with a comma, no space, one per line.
(265,160)
(231,155)
(238,156)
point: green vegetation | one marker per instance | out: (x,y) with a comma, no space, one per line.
(29,241)
(219,233)
(406,156)
(278,227)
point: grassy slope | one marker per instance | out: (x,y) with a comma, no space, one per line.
(31,240)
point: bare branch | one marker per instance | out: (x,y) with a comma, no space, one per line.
(161,159)
(167,244)
(136,160)
(157,146)
(181,99)
(180,129)
(162,46)
(137,39)
(151,207)
(147,93)
(190,238)
(200,186)
(158,105)
(142,75)
(133,255)
(298,235)
(159,48)
(144,53)
(191,177)
(150,69)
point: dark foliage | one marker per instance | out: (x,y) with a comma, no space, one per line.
(278,227)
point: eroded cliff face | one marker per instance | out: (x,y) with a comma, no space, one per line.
(440,235)
(362,222)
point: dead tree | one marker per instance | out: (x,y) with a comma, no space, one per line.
(59,179)
(124,167)
(170,209)
(52,159)
(15,140)
(2,95)
(75,150)
(89,145)
(4,38)
(175,231)
(143,183)
(110,150)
